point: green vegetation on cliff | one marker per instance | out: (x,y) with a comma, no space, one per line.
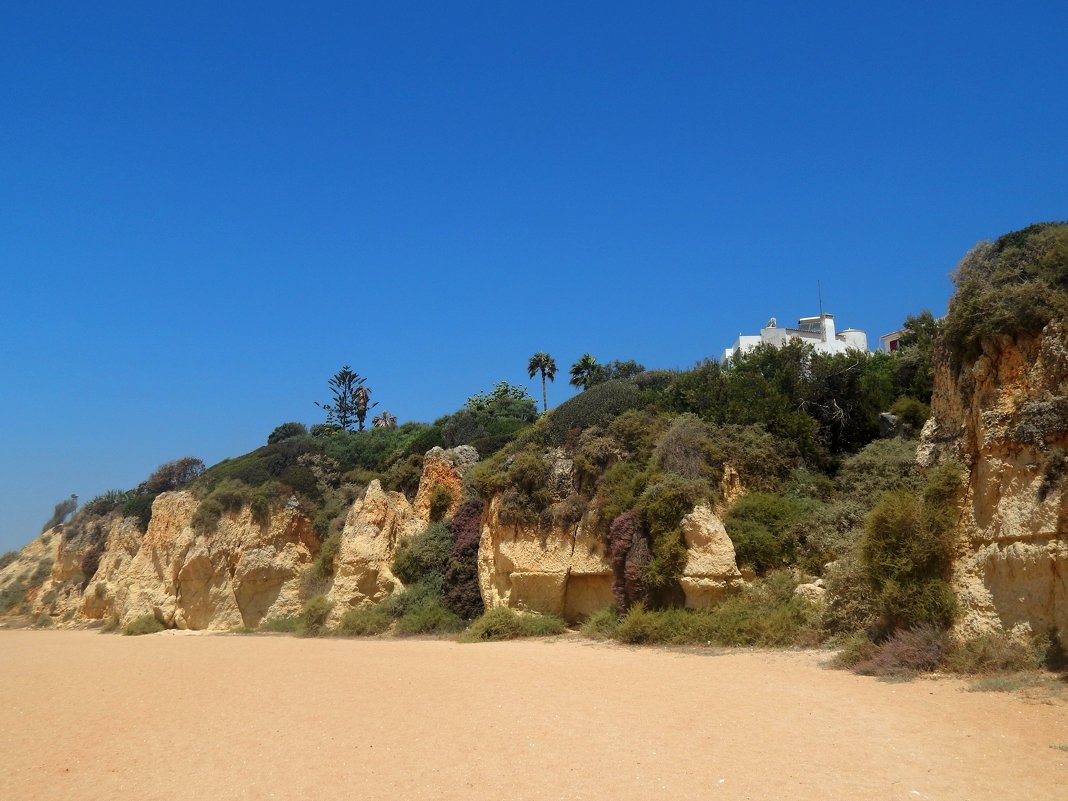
(1012,286)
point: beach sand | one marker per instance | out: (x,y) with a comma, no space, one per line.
(208,717)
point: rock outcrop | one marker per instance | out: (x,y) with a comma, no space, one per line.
(1005,418)
(565,569)
(237,575)
(377,523)
(560,569)
(711,569)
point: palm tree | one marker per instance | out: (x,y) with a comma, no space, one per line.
(546,365)
(361,403)
(583,371)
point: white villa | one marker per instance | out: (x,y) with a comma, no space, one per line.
(817,331)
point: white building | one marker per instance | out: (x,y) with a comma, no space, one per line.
(892,341)
(817,331)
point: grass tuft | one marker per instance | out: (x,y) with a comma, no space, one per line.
(146,624)
(503,623)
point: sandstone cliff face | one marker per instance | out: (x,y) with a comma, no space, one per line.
(711,566)
(1006,420)
(237,575)
(377,523)
(561,570)
(566,570)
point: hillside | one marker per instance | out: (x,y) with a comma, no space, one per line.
(771,497)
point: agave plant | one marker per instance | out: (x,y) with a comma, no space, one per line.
(384,420)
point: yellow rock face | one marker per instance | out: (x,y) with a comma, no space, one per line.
(567,571)
(1006,419)
(560,570)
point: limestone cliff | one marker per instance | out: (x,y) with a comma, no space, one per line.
(565,569)
(237,575)
(1005,418)
(377,523)
(242,573)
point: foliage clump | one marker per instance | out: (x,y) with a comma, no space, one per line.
(502,623)
(146,624)
(1010,287)
(597,406)
(907,550)
(767,614)
(462,595)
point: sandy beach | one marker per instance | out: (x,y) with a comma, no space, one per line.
(180,716)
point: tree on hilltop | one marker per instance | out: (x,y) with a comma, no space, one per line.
(350,402)
(584,371)
(545,364)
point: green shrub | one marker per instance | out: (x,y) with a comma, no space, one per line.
(884,465)
(907,549)
(620,487)
(462,428)
(1010,287)
(173,475)
(763,461)
(424,557)
(911,414)
(323,566)
(997,653)
(803,483)
(826,533)
(313,616)
(602,624)
(287,431)
(853,650)
(106,502)
(404,475)
(12,596)
(7,558)
(762,528)
(851,607)
(282,625)
(207,515)
(502,623)
(662,506)
(139,507)
(597,406)
(636,430)
(146,624)
(301,480)
(230,496)
(400,603)
(429,618)
(686,449)
(364,621)
(767,614)
(440,501)
(330,516)
(595,452)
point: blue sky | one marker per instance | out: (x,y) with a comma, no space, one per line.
(206,209)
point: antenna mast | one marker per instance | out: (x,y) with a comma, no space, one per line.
(819,291)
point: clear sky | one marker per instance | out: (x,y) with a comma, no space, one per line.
(207,208)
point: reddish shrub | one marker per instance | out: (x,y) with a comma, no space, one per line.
(630,554)
(916,650)
(462,595)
